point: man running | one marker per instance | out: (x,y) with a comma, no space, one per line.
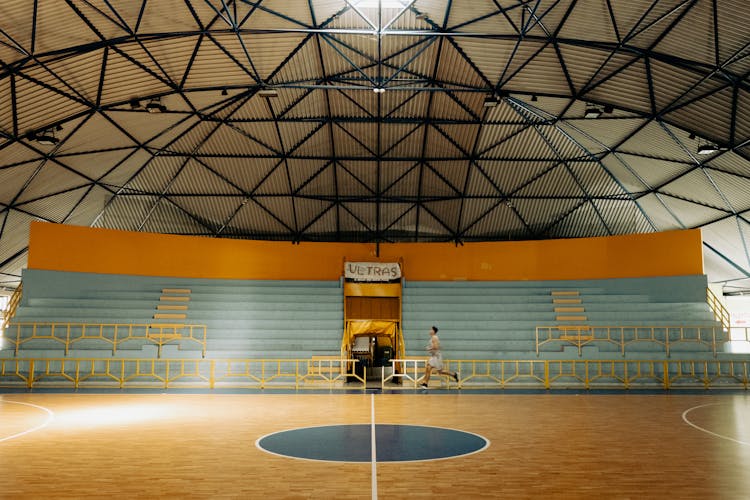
(436,359)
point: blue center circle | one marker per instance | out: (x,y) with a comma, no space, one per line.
(353,443)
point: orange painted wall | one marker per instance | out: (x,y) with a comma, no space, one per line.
(81,249)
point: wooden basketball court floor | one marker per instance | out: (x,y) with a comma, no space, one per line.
(542,445)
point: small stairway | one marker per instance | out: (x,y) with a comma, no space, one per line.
(171,313)
(569,309)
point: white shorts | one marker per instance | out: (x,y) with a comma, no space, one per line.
(436,361)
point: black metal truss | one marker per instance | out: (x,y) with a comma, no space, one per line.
(413,70)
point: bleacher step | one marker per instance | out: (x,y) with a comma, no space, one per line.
(571,318)
(175,290)
(167,298)
(566,301)
(171,307)
(559,293)
(569,309)
(170,316)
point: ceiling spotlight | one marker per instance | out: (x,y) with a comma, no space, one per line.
(691,136)
(268,92)
(154,106)
(592,111)
(135,104)
(224,92)
(534,98)
(608,109)
(708,149)
(378,90)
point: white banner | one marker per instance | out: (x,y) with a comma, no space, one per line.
(372,271)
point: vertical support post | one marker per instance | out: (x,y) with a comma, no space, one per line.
(30,379)
(713,339)
(67,336)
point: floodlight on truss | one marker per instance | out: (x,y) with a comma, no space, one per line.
(708,149)
(154,106)
(46,138)
(268,92)
(491,101)
(592,111)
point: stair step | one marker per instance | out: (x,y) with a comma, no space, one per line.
(566,292)
(170,316)
(167,298)
(175,290)
(571,318)
(566,301)
(173,307)
(568,309)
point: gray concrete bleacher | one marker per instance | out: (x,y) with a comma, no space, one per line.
(302,319)
(497,320)
(244,319)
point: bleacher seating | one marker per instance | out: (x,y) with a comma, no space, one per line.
(243,319)
(304,319)
(497,320)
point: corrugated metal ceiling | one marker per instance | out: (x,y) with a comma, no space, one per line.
(329,120)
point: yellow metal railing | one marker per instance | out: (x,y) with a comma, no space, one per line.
(739,334)
(111,334)
(196,373)
(10,310)
(622,336)
(720,312)
(307,373)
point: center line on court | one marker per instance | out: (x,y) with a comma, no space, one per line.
(374,451)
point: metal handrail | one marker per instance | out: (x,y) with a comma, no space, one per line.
(295,373)
(623,336)
(720,312)
(112,334)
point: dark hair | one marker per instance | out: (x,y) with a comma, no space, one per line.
(435,328)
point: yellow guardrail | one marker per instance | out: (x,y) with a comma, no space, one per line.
(10,310)
(717,307)
(110,334)
(315,373)
(739,334)
(622,336)
(585,374)
(196,373)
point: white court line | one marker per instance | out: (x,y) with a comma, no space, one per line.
(50,417)
(684,417)
(374,452)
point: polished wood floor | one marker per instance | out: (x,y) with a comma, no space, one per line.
(552,446)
